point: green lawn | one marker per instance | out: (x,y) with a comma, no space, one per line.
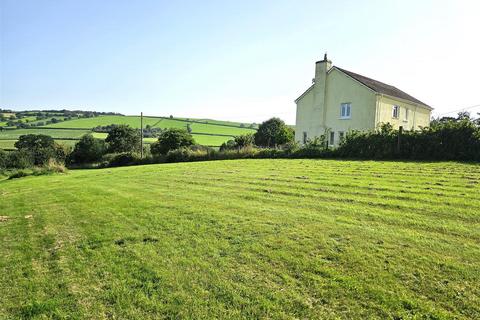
(278,239)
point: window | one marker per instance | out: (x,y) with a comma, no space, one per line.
(341,135)
(395,112)
(305,137)
(406,114)
(332,138)
(345,110)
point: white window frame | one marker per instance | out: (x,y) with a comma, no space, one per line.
(346,110)
(395,111)
(405,118)
(331,140)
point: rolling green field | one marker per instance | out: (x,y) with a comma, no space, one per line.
(10,144)
(278,239)
(213,127)
(54,133)
(213,133)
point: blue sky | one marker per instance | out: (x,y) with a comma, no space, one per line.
(241,61)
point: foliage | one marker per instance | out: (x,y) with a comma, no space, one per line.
(41,147)
(121,159)
(50,168)
(272,133)
(239,142)
(19,159)
(3,159)
(34,141)
(244,140)
(448,139)
(171,139)
(18,174)
(88,149)
(123,138)
(228,145)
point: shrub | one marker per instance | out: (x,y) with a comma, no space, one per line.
(18,174)
(88,149)
(272,133)
(122,159)
(54,166)
(452,139)
(244,140)
(228,145)
(123,138)
(171,139)
(3,159)
(19,159)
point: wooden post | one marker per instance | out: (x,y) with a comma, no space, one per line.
(141,135)
(400,131)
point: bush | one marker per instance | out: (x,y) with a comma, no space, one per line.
(54,167)
(228,145)
(453,139)
(88,149)
(272,133)
(171,139)
(123,138)
(244,140)
(3,159)
(18,174)
(19,159)
(239,142)
(121,159)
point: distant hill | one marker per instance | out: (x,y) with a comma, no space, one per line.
(68,126)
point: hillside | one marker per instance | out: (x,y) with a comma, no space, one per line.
(66,130)
(307,239)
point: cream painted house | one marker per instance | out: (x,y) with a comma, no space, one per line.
(340,100)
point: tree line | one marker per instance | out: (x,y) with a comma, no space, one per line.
(446,139)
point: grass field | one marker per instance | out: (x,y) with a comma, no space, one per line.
(276,239)
(213,127)
(10,144)
(212,134)
(54,133)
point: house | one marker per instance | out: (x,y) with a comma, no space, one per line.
(340,100)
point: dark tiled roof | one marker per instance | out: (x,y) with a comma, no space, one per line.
(381,87)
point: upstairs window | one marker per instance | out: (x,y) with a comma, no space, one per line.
(345,110)
(395,112)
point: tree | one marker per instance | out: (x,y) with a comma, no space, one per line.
(171,139)
(273,132)
(88,149)
(189,128)
(41,147)
(123,138)
(34,141)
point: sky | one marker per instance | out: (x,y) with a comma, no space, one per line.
(230,60)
